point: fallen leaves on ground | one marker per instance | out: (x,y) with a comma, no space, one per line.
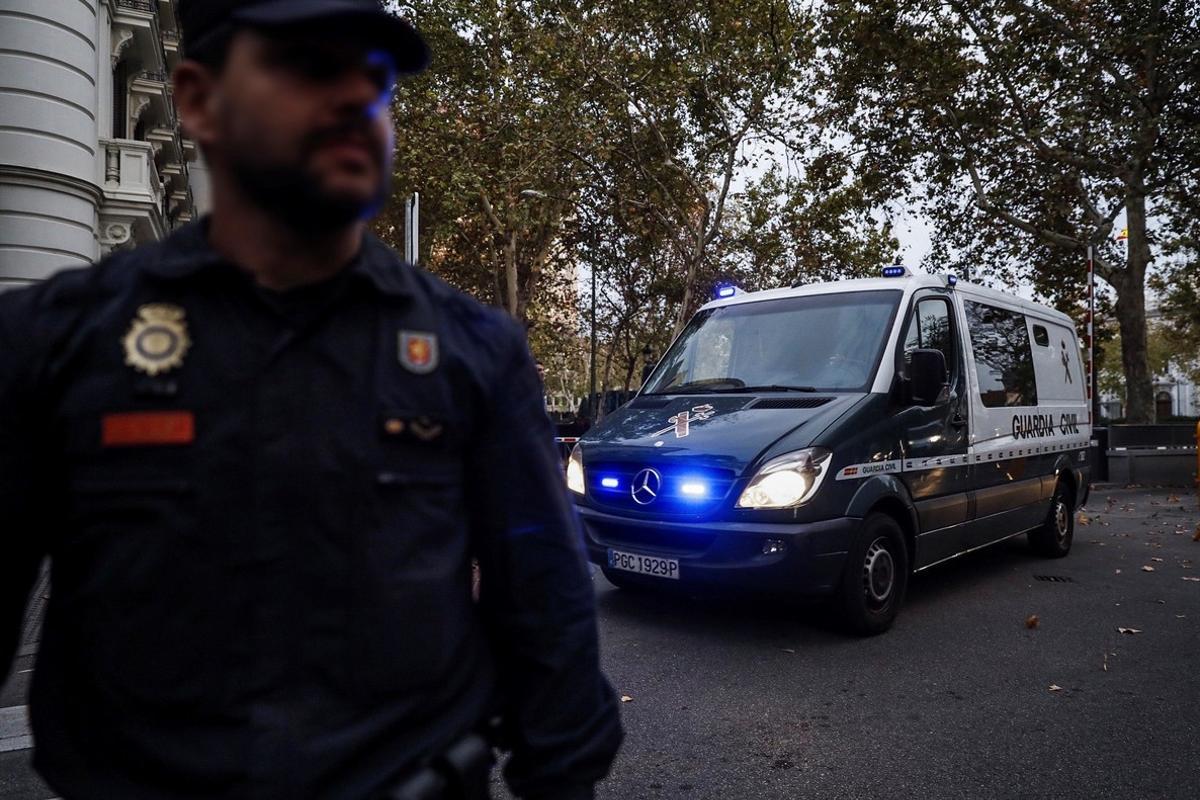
(1118,572)
(1083,519)
(626,698)
(1172,498)
(1155,558)
(1129,631)
(1054,687)
(1032,621)
(787,650)
(1147,568)
(1196,538)
(1190,578)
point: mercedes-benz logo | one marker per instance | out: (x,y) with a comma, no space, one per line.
(646,486)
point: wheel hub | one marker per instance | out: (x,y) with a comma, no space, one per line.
(1062,520)
(879,573)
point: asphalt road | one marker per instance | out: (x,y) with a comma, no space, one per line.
(755,700)
(751,698)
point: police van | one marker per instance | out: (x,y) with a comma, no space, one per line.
(832,439)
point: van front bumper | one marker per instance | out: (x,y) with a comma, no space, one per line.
(729,553)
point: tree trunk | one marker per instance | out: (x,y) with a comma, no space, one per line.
(510,271)
(604,384)
(630,366)
(693,269)
(1131,317)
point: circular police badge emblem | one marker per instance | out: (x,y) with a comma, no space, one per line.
(157,339)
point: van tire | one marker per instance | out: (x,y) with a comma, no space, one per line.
(1053,539)
(875,578)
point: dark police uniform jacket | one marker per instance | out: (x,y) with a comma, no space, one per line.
(261,525)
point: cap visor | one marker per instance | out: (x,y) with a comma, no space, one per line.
(399,38)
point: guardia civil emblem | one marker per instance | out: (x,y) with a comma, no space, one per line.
(157,340)
(418,351)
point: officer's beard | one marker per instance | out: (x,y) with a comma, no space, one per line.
(295,196)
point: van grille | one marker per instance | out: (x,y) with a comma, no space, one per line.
(671,500)
(668,541)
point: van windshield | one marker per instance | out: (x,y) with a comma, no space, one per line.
(824,342)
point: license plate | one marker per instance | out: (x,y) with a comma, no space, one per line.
(646,565)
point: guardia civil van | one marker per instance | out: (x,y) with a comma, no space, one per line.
(832,439)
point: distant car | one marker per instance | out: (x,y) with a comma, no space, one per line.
(831,439)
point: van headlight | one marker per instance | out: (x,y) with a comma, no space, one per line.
(786,481)
(575,471)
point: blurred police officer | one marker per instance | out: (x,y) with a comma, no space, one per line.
(261,456)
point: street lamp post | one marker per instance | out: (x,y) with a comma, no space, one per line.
(594,402)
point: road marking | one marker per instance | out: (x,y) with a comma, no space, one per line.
(14,729)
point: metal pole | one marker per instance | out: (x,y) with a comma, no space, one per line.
(1093,382)
(593,400)
(412,227)
(416,226)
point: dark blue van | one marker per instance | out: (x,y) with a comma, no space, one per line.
(829,440)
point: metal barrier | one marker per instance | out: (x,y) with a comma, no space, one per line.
(1153,454)
(1159,437)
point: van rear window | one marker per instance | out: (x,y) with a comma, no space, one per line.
(1041,336)
(1003,360)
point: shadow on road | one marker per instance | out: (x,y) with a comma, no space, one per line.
(747,616)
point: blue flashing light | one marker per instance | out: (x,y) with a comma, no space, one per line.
(951,280)
(726,290)
(897,271)
(610,483)
(693,489)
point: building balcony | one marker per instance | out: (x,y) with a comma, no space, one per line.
(150,99)
(134,202)
(167,144)
(137,34)
(171,48)
(176,173)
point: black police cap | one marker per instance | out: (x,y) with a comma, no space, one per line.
(202,20)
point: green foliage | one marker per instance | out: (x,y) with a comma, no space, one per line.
(632,140)
(1024,130)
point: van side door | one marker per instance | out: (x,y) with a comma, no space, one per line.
(1010,495)
(934,438)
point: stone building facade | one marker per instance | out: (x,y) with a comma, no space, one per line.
(91,154)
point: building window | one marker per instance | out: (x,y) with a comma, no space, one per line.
(1163,406)
(120,100)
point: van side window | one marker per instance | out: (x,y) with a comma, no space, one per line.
(929,329)
(1003,359)
(1041,336)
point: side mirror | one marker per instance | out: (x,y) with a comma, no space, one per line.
(927,376)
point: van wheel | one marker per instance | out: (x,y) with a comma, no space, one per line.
(875,578)
(1053,539)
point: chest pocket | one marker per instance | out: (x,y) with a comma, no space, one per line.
(132,568)
(413,613)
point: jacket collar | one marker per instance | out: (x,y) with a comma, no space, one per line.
(186,252)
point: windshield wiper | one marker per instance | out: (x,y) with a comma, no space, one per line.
(704,386)
(768,387)
(737,387)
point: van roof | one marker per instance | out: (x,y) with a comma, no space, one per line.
(908,284)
